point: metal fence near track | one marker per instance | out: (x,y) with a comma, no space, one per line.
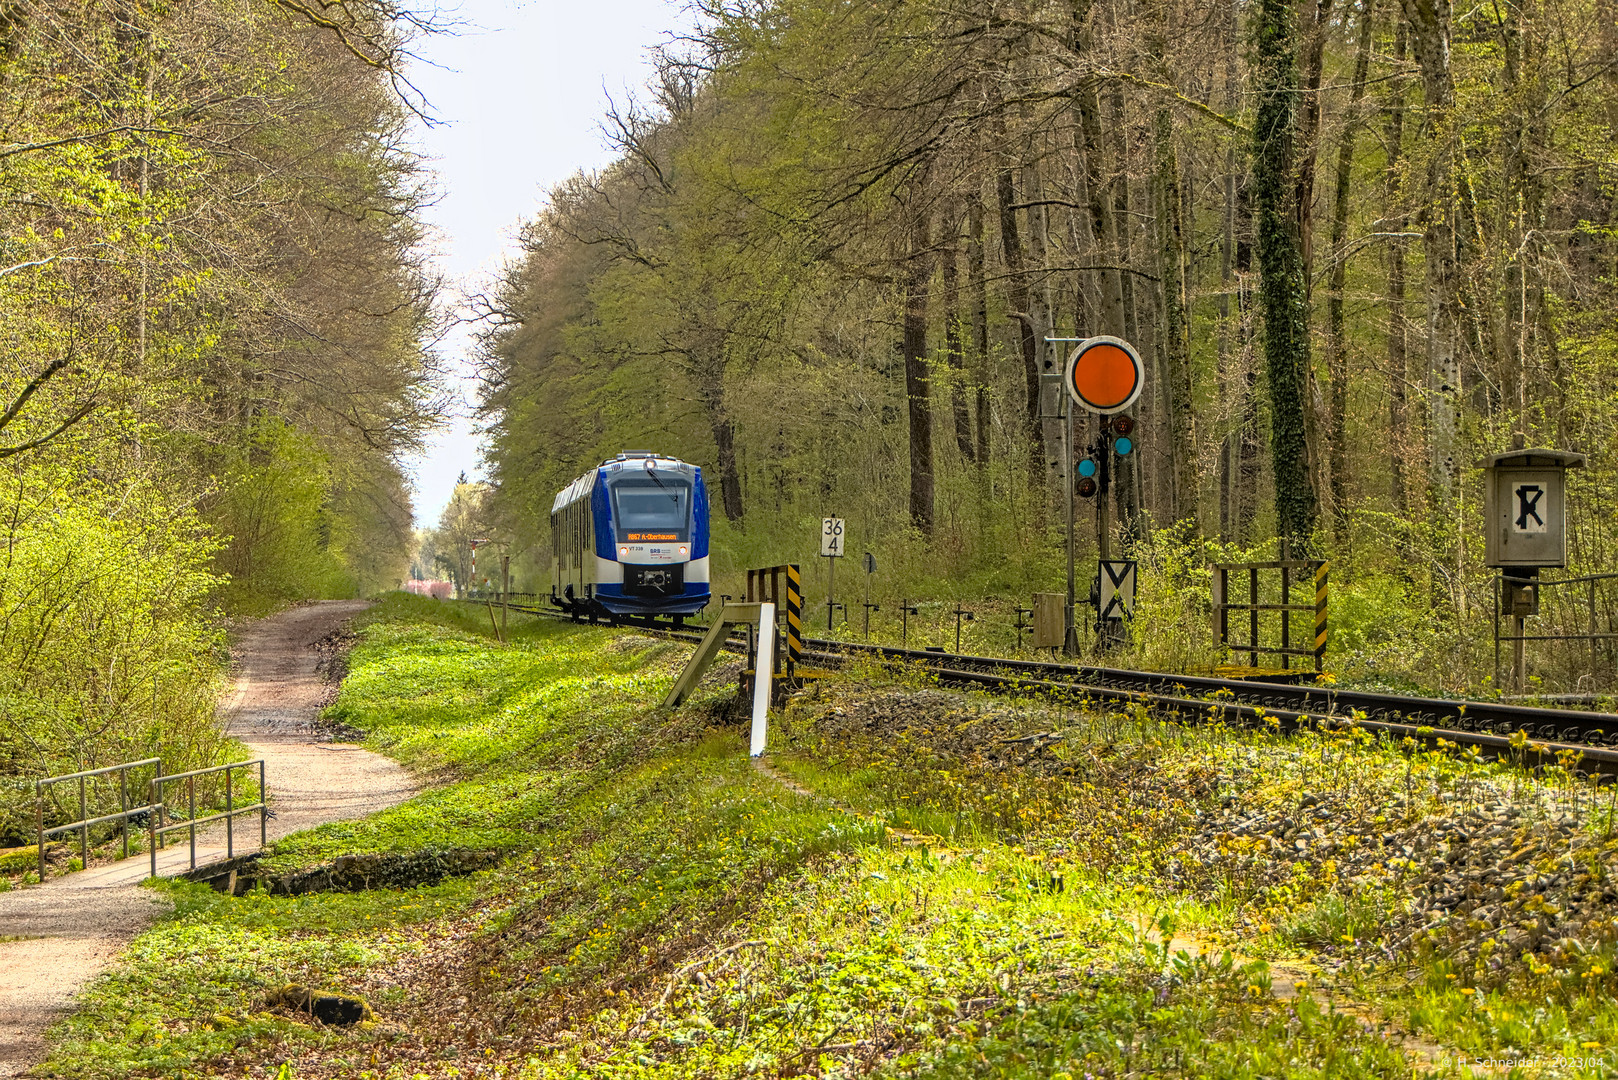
(1293,574)
(1575,626)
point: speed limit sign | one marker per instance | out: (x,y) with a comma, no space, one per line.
(831,537)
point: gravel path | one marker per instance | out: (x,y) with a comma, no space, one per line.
(55,938)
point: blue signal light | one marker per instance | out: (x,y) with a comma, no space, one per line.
(1087,467)
(1123,446)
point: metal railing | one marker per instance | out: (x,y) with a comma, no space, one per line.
(124,814)
(229,815)
(1589,619)
(1307,571)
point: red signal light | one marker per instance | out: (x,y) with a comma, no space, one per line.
(1086,488)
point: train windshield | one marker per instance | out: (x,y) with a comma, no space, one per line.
(652,505)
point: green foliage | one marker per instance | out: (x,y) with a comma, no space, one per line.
(194,989)
(204,393)
(1207,1022)
(732,289)
(105,655)
(273,505)
(685,915)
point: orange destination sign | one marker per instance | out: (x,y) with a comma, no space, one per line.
(651,536)
(1105,374)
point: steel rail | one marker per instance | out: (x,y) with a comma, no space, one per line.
(1481,717)
(1483,724)
(1247,714)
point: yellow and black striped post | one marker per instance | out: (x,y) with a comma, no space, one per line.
(1322,598)
(794,616)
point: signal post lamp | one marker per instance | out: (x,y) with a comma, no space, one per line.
(1024,625)
(1104,376)
(960,613)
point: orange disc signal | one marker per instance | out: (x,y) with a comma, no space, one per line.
(1105,374)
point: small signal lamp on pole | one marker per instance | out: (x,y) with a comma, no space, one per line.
(1104,376)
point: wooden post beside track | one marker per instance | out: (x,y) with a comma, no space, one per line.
(729,615)
(1322,613)
(794,609)
(760,615)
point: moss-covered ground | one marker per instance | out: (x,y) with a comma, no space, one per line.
(917,883)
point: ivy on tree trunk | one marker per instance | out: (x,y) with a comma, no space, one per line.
(1283,290)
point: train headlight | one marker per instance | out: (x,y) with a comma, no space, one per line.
(623,551)
(682,549)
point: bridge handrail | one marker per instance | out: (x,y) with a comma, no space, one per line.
(125,811)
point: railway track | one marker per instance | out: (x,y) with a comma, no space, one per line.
(1490,726)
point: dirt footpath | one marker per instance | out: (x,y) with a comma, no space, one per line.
(272,709)
(55,938)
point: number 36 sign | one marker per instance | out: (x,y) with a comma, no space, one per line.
(831,537)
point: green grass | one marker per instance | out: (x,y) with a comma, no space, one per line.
(667,910)
(192,990)
(431,689)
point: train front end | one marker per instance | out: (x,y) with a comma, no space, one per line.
(651,533)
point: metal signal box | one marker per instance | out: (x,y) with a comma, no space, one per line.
(1525,507)
(1050,620)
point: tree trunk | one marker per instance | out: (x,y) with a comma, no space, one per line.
(1017,296)
(1176,339)
(1308,150)
(1127,483)
(1282,287)
(1102,305)
(1040,307)
(1399,437)
(950,272)
(1338,361)
(1429,23)
(1228,332)
(1308,122)
(918,270)
(1248,467)
(724,438)
(1523,213)
(1514,382)
(980,323)
(1110,309)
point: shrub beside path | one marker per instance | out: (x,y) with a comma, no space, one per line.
(56,937)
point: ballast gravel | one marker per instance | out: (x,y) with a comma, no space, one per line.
(1495,871)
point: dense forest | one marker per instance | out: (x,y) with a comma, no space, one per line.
(214,317)
(1359,243)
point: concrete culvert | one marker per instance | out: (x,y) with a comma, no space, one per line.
(327,1006)
(358,873)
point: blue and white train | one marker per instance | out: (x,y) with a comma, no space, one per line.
(630,538)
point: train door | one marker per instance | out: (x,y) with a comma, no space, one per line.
(587,546)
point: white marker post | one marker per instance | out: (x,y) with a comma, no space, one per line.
(831,549)
(763,676)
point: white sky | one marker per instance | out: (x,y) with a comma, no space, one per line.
(521,90)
